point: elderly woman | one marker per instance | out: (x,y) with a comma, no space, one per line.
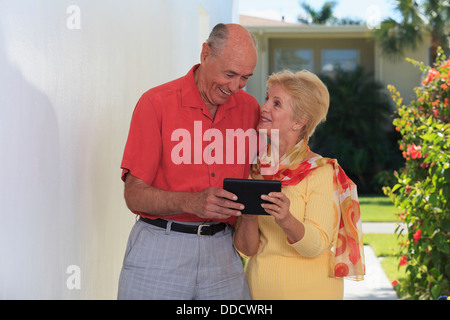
(311,238)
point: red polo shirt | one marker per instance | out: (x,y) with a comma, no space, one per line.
(174,143)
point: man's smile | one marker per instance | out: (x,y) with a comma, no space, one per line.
(225,92)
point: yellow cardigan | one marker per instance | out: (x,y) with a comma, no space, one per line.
(280,270)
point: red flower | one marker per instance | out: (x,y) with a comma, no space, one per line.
(414,151)
(436,103)
(435,112)
(431,75)
(417,235)
(394,283)
(403,261)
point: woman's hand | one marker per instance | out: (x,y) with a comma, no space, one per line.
(279,209)
(246,237)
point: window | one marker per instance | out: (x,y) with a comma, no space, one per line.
(293,59)
(345,59)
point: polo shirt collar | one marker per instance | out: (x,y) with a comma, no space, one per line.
(190,96)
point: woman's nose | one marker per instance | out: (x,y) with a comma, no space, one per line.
(265,107)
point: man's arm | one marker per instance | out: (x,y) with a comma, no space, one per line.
(211,203)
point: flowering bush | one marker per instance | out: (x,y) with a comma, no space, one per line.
(423,189)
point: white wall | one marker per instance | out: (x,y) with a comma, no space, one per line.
(68,87)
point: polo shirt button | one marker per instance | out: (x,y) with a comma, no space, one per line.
(213,174)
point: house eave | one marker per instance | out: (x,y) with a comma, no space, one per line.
(300,31)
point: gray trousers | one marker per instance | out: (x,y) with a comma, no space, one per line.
(168,265)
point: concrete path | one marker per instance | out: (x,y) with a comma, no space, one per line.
(381,227)
(376,285)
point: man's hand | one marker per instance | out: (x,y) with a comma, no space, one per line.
(213,203)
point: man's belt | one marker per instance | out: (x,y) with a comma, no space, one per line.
(200,230)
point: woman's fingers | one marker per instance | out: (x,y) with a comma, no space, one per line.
(277,206)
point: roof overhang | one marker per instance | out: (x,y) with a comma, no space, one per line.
(311,31)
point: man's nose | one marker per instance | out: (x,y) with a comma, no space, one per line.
(235,85)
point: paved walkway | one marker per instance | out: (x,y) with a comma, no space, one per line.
(380,227)
(376,285)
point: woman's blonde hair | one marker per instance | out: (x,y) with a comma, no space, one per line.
(309,96)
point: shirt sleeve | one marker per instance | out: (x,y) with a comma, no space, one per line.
(319,216)
(143,148)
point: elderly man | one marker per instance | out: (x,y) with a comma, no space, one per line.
(181,246)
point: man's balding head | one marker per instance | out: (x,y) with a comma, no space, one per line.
(231,34)
(227,61)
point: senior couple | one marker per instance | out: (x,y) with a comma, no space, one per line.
(190,235)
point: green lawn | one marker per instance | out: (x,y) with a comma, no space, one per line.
(385,246)
(378,209)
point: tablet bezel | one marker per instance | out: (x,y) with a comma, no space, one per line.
(249,193)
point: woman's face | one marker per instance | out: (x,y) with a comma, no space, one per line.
(276,113)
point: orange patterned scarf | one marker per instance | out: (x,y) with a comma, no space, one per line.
(348,258)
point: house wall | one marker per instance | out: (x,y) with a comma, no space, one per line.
(397,72)
(400,73)
(363,45)
(71,73)
(316,38)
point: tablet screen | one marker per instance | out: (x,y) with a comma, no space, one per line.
(249,192)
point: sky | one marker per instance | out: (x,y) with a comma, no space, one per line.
(366,10)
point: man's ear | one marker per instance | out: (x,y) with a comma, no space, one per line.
(206,51)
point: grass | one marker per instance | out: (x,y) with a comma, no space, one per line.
(378,209)
(385,246)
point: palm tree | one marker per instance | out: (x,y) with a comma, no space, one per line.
(430,15)
(322,16)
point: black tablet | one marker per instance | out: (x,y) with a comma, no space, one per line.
(249,193)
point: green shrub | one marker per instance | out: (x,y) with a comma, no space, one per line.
(358,129)
(422,191)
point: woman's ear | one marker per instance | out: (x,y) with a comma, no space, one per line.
(299,124)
